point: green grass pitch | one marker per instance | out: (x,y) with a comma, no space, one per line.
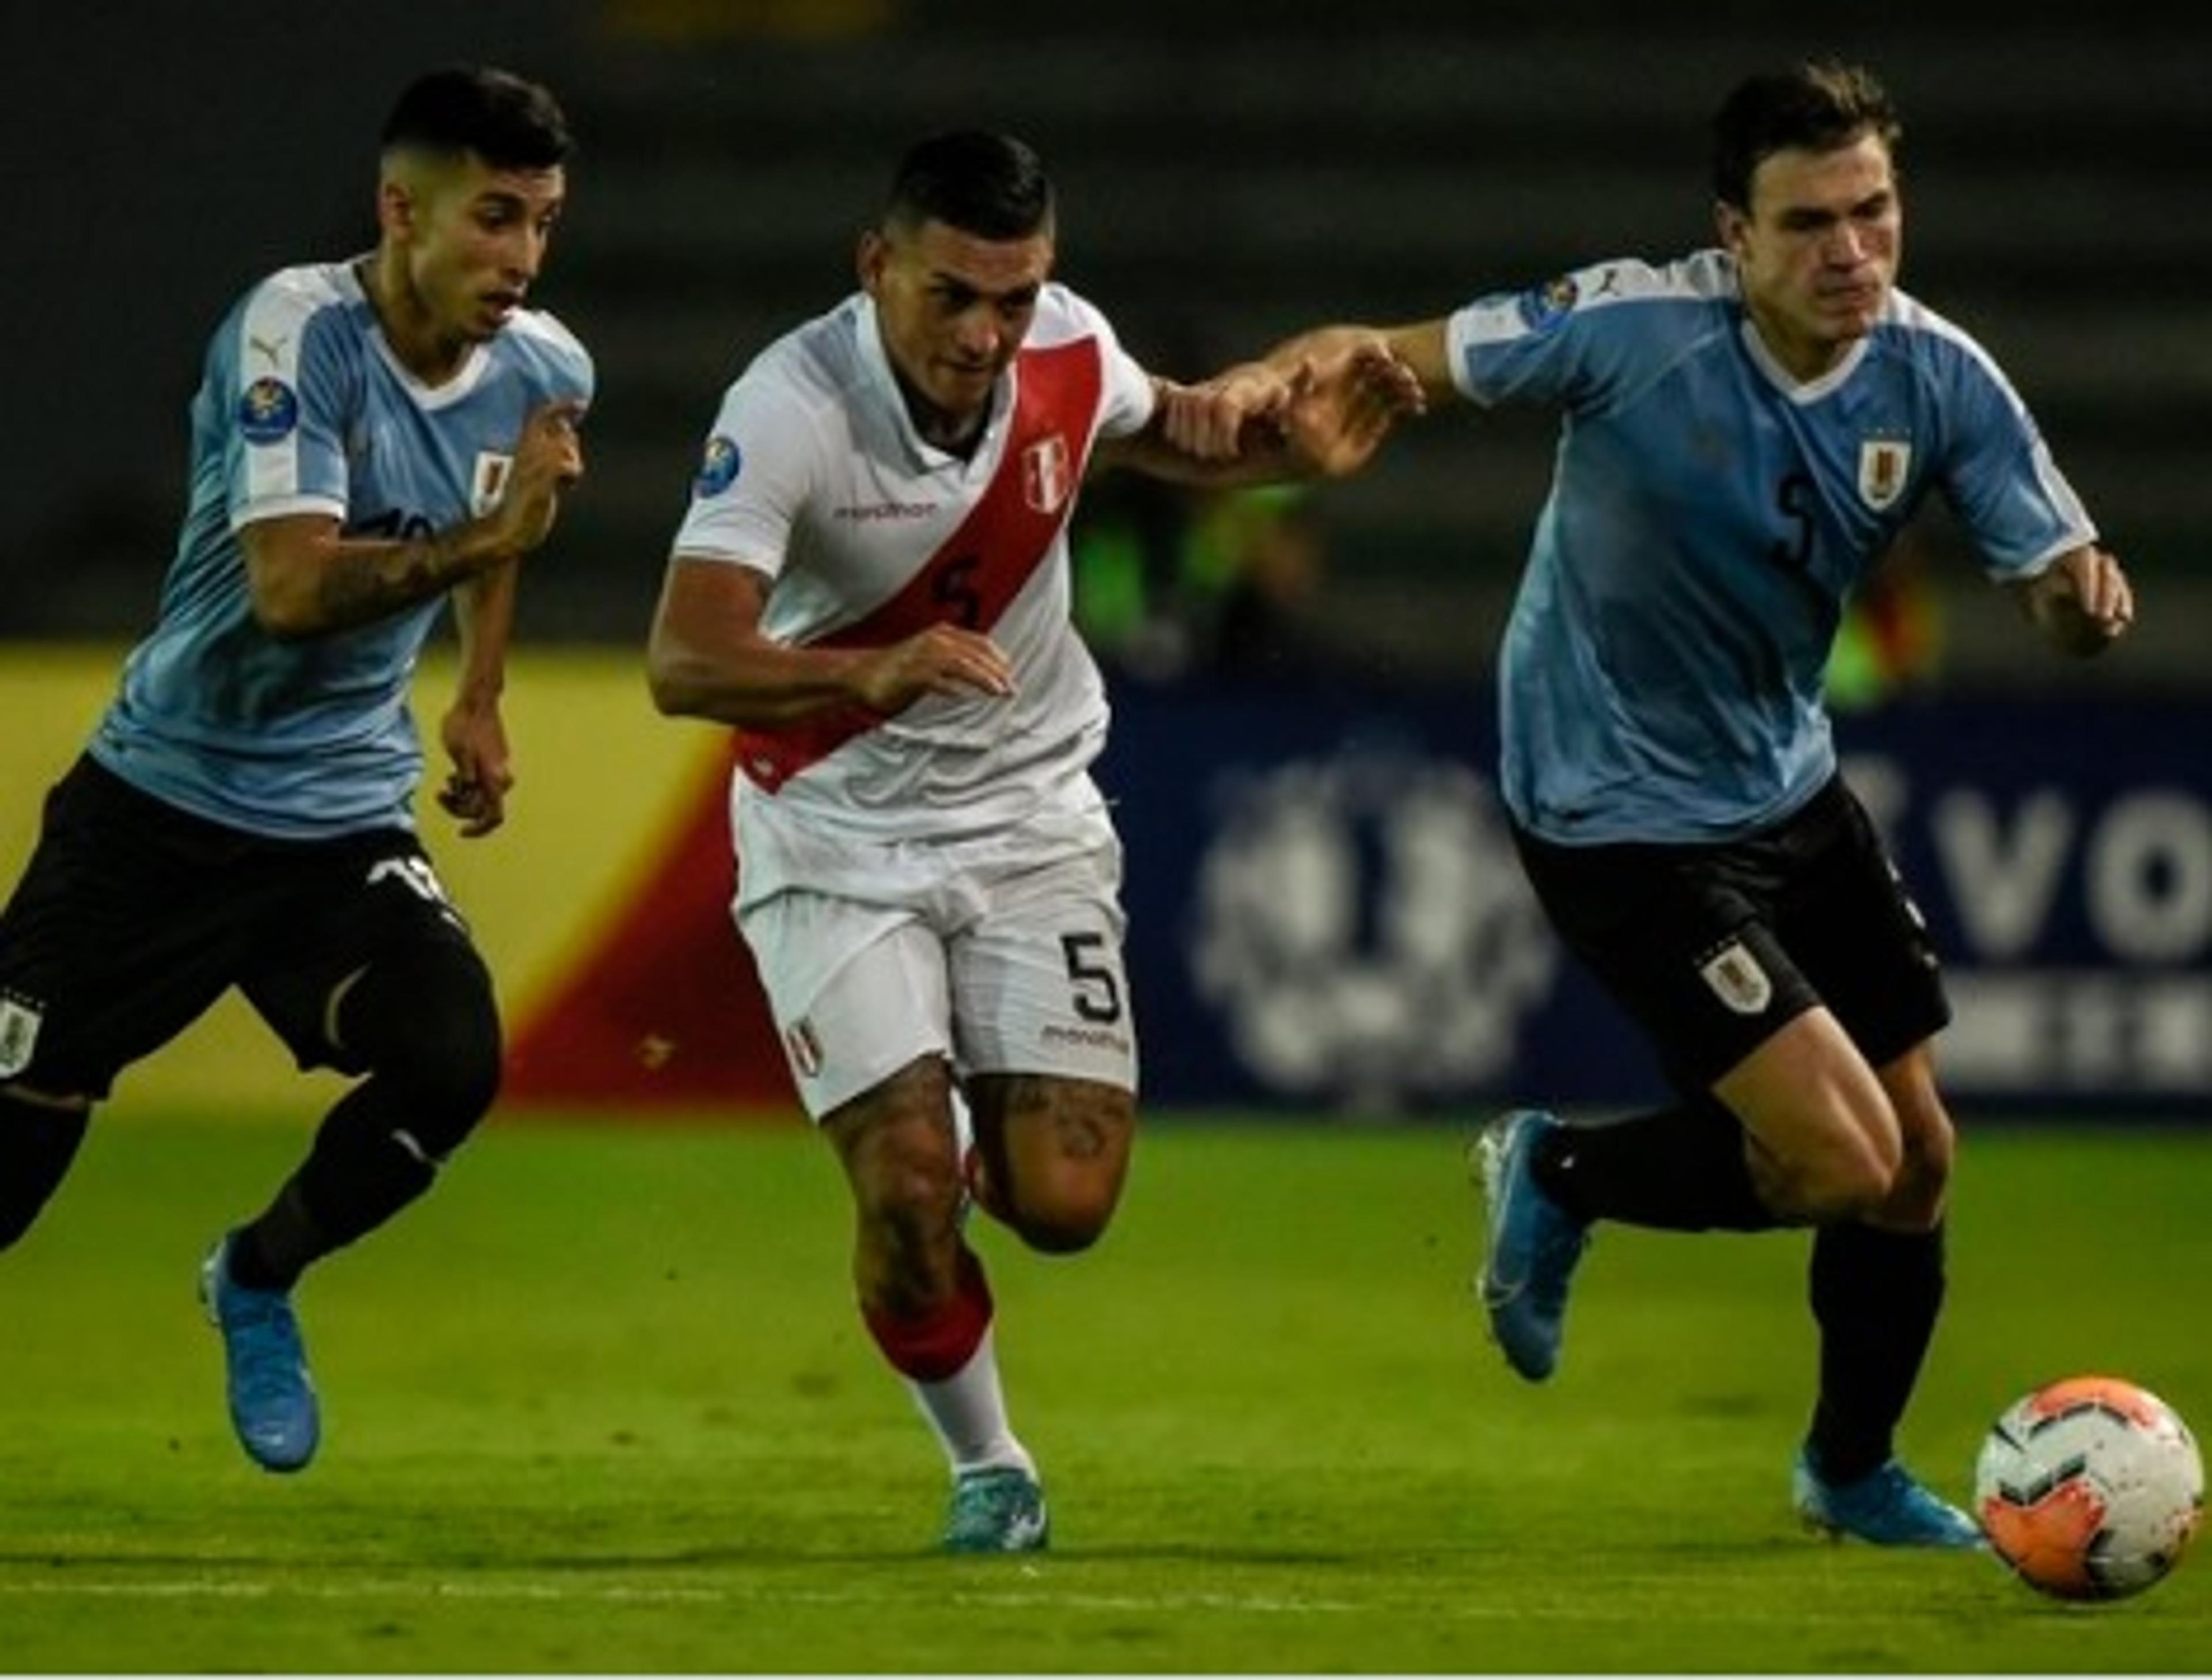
(601,1404)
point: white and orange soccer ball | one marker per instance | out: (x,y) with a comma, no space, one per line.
(2089,1488)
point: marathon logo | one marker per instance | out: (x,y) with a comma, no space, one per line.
(1088,1038)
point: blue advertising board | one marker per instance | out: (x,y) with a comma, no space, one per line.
(1326,910)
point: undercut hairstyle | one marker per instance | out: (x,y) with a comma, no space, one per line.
(991,186)
(1819,105)
(509,123)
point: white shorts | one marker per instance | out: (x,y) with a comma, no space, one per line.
(1003,955)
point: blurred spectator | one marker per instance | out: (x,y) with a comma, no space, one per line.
(1257,555)
(1126,548)
(1172,583)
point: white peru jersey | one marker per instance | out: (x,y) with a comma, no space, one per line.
(815,475)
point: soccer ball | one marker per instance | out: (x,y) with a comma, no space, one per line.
(2089,1488)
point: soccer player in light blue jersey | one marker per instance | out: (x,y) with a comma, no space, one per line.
(1745,431)
(370,438)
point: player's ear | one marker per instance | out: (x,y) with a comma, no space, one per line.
(871,260)
(1729,222)
(396,207)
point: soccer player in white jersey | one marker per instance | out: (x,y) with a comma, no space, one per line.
(370,437)
(1746,430)
(872,586)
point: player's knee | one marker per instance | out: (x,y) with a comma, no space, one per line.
(1845,1167)
(1064,1207)
(905,1176)
(1852,1177)
(1057,1152)
(914,1197)
(1923,1183)
(425,1019)
(1926,1145)
(1063,1227)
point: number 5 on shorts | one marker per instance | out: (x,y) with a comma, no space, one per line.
(1097,989)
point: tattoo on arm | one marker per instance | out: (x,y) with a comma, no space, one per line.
(368,581)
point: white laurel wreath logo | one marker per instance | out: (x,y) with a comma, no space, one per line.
(1363,926)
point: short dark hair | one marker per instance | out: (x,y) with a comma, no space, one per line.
(509,123)
(991,185)
(1817,106)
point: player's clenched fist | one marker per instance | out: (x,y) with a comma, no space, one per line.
(548,458)
(2083,601)
(1210,422)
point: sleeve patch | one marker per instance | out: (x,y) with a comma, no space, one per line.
(1543,307)
(718,466)
(268,411)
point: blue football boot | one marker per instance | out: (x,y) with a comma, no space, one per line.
(1534,1245)
(1887,1507)
(998,1511)
(272,1398)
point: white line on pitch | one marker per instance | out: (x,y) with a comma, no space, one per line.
(1039,1598)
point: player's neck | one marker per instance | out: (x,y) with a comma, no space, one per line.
(939,427)
(1804,359)
(432,356)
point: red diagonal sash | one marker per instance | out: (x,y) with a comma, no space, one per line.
(977,571)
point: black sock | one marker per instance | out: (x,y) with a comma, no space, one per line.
(1682,1169)
(37,1144)
(361,1171)
(272,1251)
(1875,1295)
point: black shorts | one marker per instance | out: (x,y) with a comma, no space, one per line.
(1713,948)
(134,917)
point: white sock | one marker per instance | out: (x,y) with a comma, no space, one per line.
(968,1411)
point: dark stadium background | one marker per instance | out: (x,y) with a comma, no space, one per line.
(1229,173)
(601,1406)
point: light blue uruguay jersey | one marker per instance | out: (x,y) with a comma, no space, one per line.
(1709,517)
(303,408)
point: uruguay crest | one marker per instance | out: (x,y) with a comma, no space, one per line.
(1885,463)
(487,481)
(19,1034)
(1737,979)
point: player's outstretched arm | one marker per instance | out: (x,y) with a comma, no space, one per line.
(308,579)
(1418,349)
(707,657)
(2082,601)
(1318,412)
(1339,376)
